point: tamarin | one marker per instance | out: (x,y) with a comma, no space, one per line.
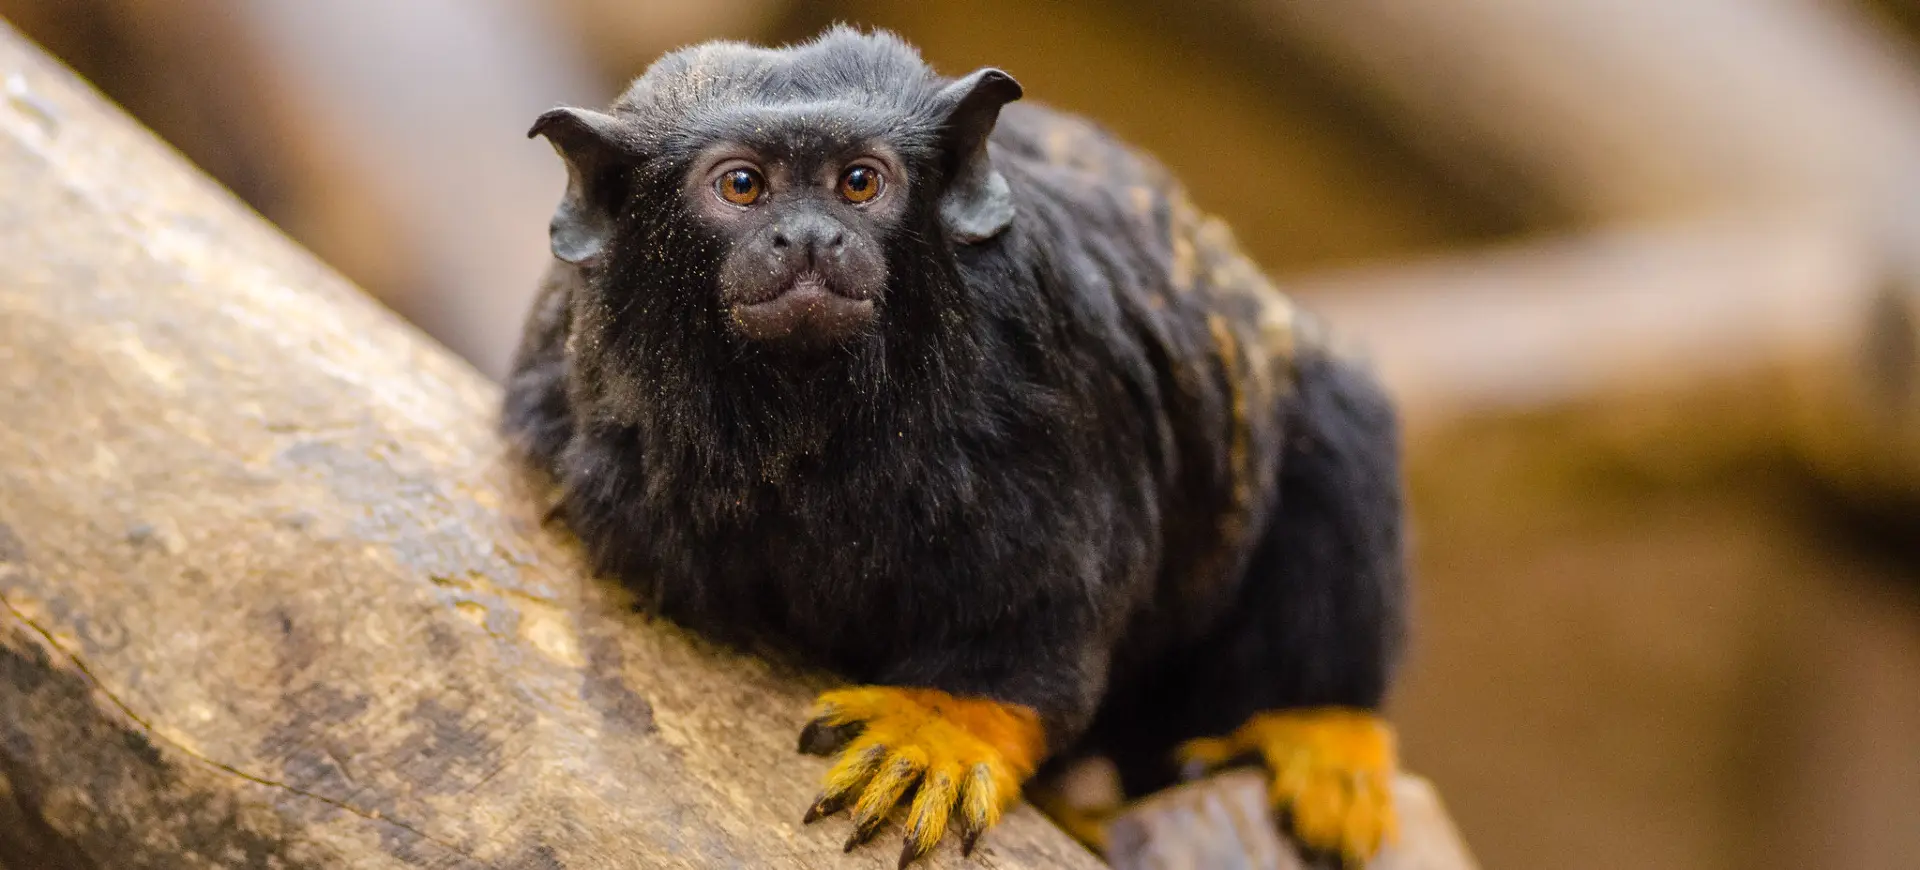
(964,400)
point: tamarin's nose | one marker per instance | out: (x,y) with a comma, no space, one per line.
(814,237)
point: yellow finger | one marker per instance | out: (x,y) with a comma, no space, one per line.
(892,780)
(927,821)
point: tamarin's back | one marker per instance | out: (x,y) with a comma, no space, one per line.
(1218,339)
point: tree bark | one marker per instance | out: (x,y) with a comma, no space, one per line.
(273,595)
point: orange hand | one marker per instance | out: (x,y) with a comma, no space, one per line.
(965,754)
(1331,773)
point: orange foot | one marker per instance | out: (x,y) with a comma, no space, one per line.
(1332,775)
(954,754)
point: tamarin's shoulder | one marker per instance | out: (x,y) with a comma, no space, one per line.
(1178,273)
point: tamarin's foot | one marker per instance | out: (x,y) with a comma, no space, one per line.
(962,759)
(1331,775)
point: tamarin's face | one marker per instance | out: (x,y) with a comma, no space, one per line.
(791,200)
(803,212)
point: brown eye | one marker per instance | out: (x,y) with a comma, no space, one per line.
(860,184)
(740,186)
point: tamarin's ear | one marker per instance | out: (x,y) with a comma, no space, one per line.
(590,143)
(977,204)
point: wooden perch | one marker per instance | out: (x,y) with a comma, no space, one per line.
(274,597)
(271,594)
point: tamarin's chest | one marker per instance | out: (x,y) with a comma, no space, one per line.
(835,546)
(856,560)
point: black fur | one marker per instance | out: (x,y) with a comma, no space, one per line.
(1316,620)
(1091,463)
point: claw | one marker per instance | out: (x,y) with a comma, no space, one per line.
(810,737)
(863,830)
(823,806)
(821,737)
(862,833)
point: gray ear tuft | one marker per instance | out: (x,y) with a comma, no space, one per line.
(977,204)
(589,142)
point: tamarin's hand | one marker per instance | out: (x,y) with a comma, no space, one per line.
(961,761)
(1329,774)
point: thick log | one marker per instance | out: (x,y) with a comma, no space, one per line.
(272,594)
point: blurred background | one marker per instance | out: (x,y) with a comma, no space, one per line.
(1643,274)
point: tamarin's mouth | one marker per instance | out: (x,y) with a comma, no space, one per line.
(806,280)
(809,311)
(814,281)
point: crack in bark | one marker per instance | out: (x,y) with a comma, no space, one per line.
(498,768)
(155,734)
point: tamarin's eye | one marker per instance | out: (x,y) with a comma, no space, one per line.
(740,186)
(860,184)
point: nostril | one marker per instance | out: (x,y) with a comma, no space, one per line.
(780,239)
(838,240)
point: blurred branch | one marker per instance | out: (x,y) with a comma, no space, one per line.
(1648,309)
(1638,109)
(1797,314)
